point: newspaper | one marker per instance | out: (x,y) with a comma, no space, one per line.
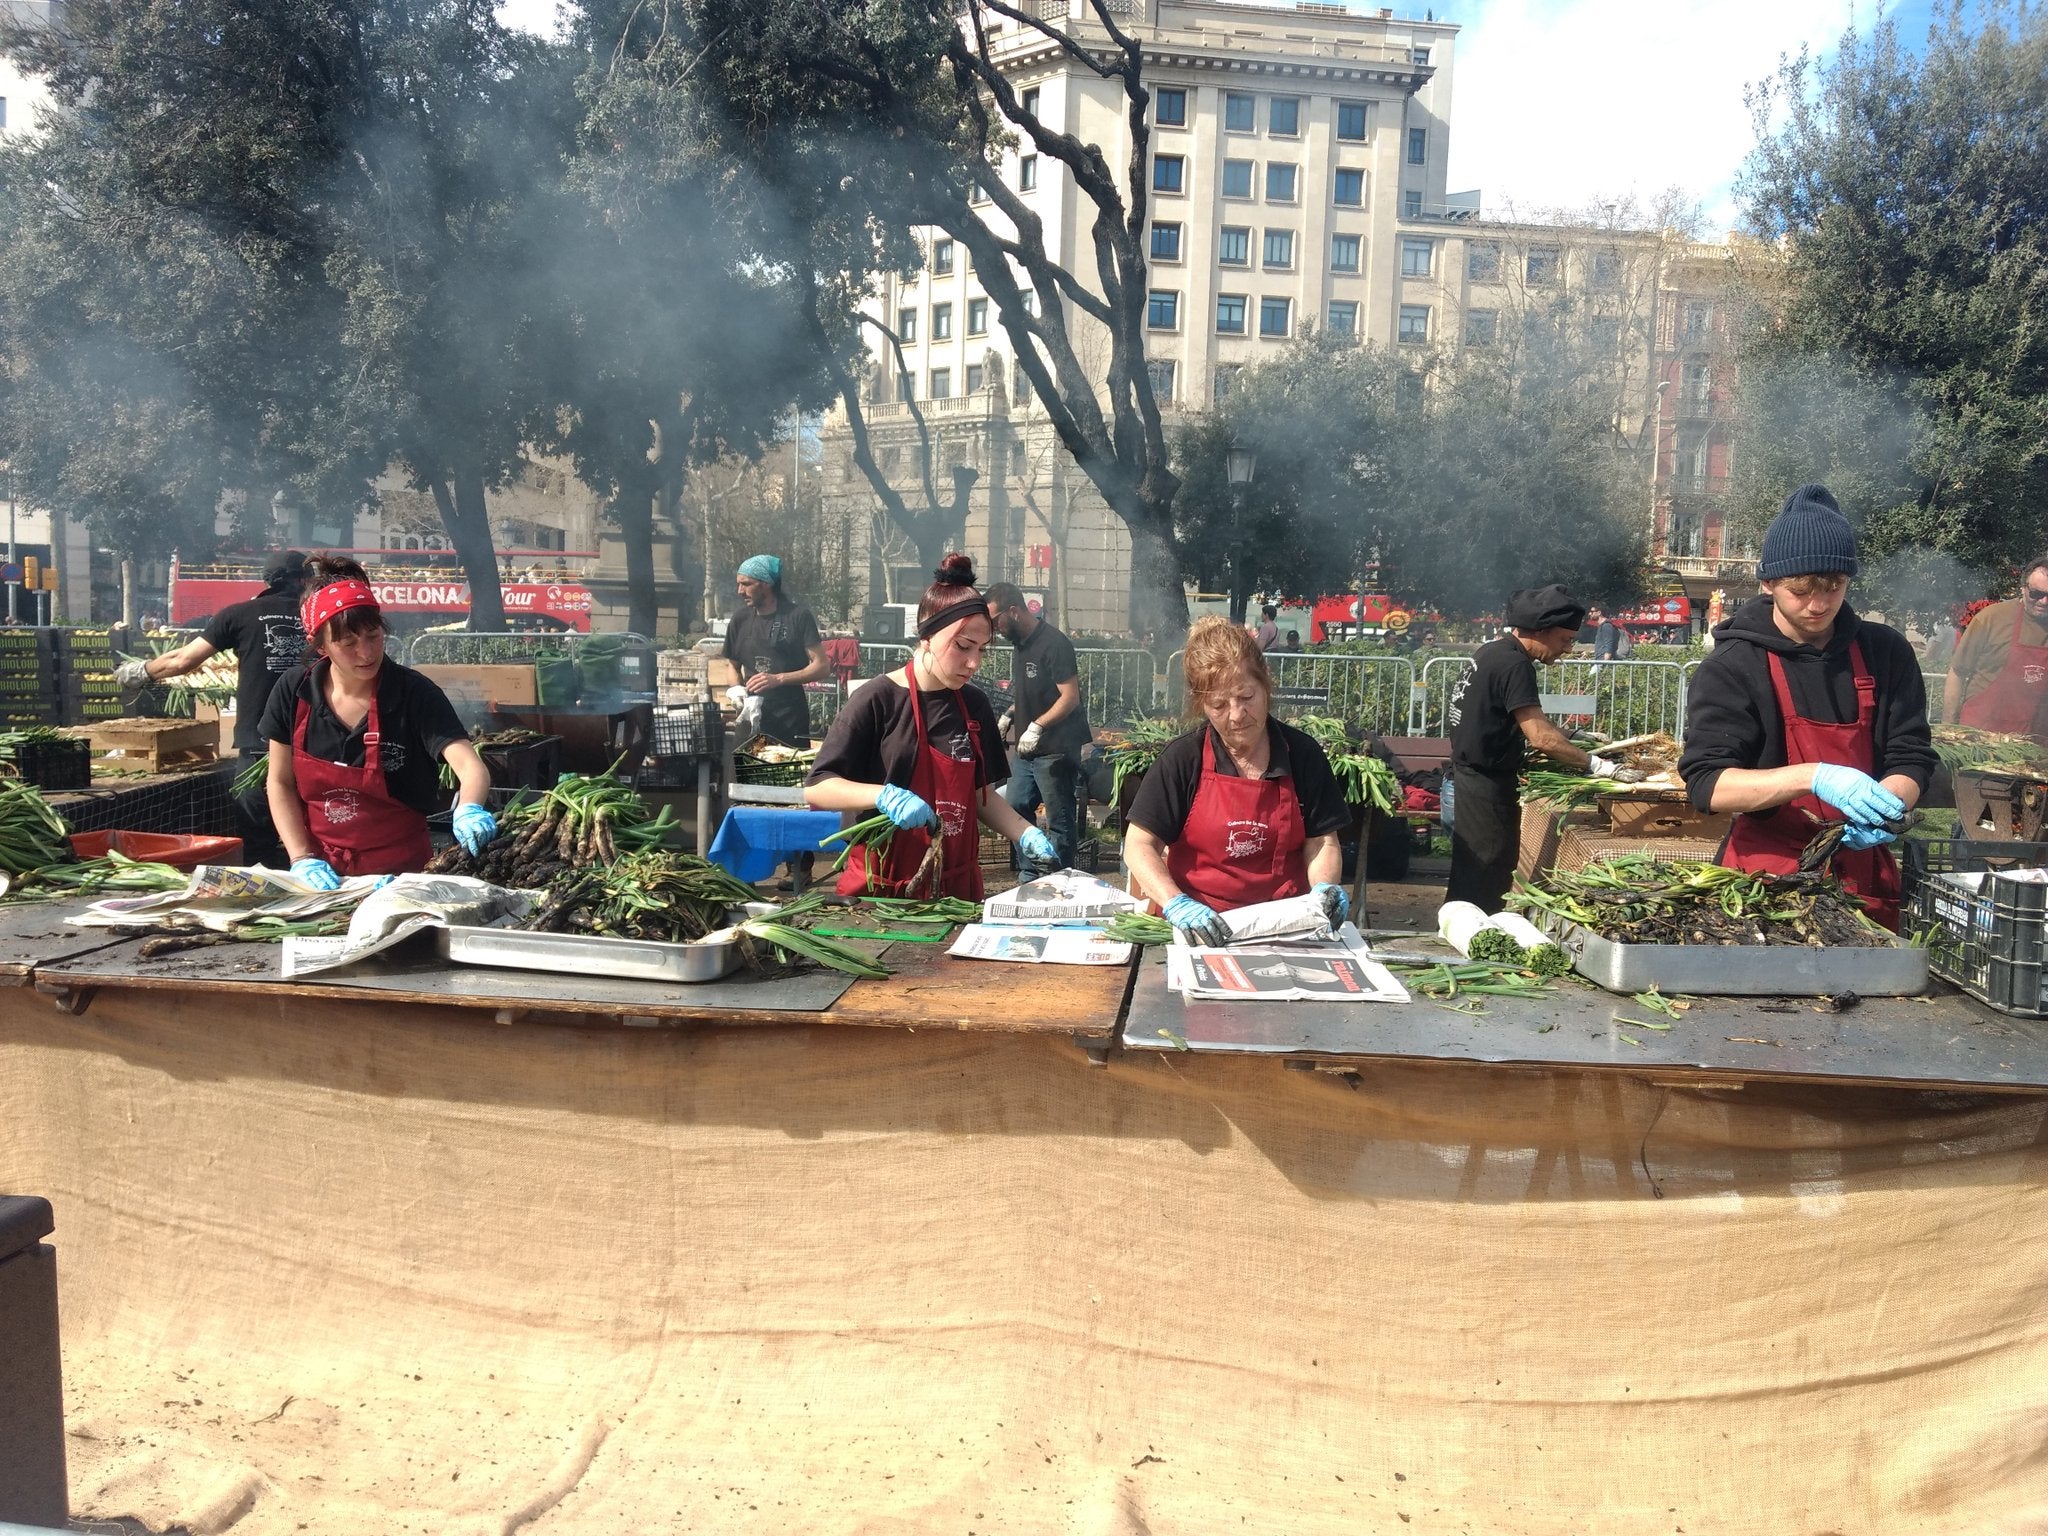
(218,896)
(1050,944)
(1066,896)
(1336,971)
(1292,917)
(409,904)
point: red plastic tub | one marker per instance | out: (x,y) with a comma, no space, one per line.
(180,852)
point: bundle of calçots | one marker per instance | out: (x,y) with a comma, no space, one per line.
(31,834)
(1136,749)
(1362,778)
(670,897)
(1640,900)
(581,821)
(876,835)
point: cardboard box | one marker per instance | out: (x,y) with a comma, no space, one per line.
(1542,828)
(1665,817)
(1579,846)
(721,673)
(476,689)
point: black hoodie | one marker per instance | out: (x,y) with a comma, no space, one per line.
(1731,712)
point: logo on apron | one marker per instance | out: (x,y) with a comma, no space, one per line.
(1244,840)
(2034,674)
(952,816)
(342,806)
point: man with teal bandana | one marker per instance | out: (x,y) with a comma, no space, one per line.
(775,644)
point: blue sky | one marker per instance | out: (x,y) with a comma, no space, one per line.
(1558,104)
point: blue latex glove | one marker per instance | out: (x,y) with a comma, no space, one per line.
(1856,794)
(903,807)
(317,873)
(474,828)
(1197,923)
(1336,900)
(1037,847)
(1859,837)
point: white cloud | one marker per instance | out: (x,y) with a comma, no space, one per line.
(536,16)
(1558,103)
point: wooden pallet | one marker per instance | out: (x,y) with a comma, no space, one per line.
(158,745)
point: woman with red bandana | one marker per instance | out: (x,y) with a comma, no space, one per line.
(356,741)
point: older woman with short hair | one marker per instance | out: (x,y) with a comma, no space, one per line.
(1241,809)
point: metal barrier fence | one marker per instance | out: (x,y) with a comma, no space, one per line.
(460,648)
(1618,698)
(1374,692)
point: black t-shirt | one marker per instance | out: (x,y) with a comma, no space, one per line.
(1041,664)
(413,713)
(1168,793)
(1484,736)
(874,739)
(776,642)
(265,635)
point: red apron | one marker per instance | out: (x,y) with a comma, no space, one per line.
(1243,839)
(1770,844)
(949,787)
(2011,705)
(356,825)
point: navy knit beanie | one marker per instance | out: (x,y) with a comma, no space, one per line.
(1809,537)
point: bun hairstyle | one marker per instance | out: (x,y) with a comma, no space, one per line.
(321,570)
(950,598)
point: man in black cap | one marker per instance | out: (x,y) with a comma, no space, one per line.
(265,635)
(1805,713)
(1494,713)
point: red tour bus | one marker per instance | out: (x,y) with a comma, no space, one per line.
(417,591)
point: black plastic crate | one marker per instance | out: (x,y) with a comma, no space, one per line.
(536,765)
(65,764)
(1987,937)
(688,730)
(1924,856)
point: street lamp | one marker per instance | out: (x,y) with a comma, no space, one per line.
(1239,466)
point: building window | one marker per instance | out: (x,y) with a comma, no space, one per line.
(1170,107)
(1279,252)
(1237,178)
(1030,296)
(1350,187)
(1418,257)
(1279,183)
(977,378)
(977,194)
(1419,56)
(1418,146)
(1161,374)
(1408,392)
(1225,381)
(1344,251)
(1414,325)
(942,258)
(1411,205)
(1169,172)
(1607,269)
(1283,117)
(1606,333)
(1481,327)
(942,383)
(906,387)
(1699,317)
(1351,120)
(1162,309)
(1344,318)
(1031,102)
(1020,382)
(1696,383)
(1542,265)
(942,322)
(1240,112)
(1027,174)
(1482,262)
(906,326)
(1230,314)
(1166,242)
(1274,315)
(977,317)
(1684,537)
(1234,246)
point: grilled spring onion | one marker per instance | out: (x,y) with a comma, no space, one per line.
(876,835)
(32,836)
(1963,747)
(1642,900)
(1138,928)
(789,940)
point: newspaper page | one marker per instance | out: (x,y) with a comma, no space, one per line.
(1066,896)
(1047,945)
(1341,971)
(409,904)
(218,896)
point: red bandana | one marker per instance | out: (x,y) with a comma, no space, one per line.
(336,597)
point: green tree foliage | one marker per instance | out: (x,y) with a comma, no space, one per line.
(1910,195)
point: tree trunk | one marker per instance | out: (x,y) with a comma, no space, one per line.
(466,516)
(1159,605)
(634,513)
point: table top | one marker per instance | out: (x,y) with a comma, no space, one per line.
(1941,1040)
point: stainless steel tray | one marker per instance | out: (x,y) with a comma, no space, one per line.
(1746,970)
(588,955)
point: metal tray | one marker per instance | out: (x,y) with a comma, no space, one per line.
(1746,970)
(588,955)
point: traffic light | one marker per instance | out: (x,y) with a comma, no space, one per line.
(31,572)
(49,578)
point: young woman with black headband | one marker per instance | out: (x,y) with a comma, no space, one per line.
(923,748)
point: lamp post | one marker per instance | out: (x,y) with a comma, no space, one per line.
(1239,465)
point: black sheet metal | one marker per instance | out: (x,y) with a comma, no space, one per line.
(35,933)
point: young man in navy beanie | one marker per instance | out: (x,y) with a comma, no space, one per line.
(1805,713)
